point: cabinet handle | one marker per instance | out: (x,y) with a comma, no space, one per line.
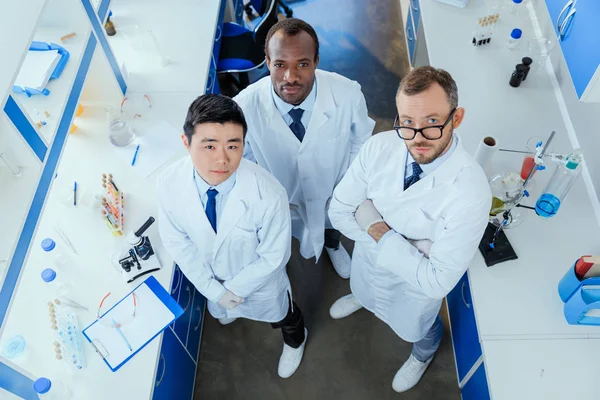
(219,33)
(162,358)
(462,293)
(565,25)
(178,274)
(209,83)
(409,34)
(564,10)
(187,288)
(199,319)
(412,5)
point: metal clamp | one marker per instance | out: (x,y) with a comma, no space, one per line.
(462,293)
(162,358)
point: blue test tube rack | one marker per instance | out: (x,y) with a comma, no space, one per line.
(580,298)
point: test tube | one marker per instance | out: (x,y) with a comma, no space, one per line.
(16,170)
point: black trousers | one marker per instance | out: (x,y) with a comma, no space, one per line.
(292,326)
(332,238)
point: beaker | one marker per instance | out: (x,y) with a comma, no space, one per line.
(119,131)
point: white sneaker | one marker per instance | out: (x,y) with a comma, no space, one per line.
(226,321)
(290,358)
(344,306)
(409,374)
(341,261)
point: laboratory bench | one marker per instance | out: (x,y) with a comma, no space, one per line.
(101,71)
(510,338)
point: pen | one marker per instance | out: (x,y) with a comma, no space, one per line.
(135,155)
(75,193)
(118,328)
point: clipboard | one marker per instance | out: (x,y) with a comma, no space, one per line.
(155,311)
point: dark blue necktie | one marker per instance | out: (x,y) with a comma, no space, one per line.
(296,126)
(211,208)
(414,178)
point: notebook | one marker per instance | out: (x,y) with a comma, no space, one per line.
(155,310)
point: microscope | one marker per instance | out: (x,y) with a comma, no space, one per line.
(138,258)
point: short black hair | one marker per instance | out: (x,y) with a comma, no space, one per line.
(213,108)
(292,27)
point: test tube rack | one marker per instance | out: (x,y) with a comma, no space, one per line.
(111,207)
(67,342)
(485,26)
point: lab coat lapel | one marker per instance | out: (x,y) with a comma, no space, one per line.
(322,110)
(281,132)
(235,207)
(194,205)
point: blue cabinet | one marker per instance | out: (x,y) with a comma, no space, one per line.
(415,10)
(186,296)
(411,37)
(465,338)
(175,372)
(576,25)
(196,323)
(477,387)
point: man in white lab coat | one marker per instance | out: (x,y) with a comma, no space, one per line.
(305,126)
(416,204)
(226,223)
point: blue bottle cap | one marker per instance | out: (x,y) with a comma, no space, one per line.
(516,33)
(48,244)
(14,347)
(517,1)
(42,385)
(48,275)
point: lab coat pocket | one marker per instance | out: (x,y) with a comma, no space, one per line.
(422,226)
(242,247)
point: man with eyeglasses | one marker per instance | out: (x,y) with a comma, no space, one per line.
(416,204)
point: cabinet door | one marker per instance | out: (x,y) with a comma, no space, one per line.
(411,37)
(197,321)
(185,301)
(176,372)
(465,338)
(580,44)
(477,387)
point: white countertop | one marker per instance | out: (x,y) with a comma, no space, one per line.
(518,299)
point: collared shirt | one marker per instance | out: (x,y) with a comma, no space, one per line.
(427,170)
(223,188)
(307,105)
(432,166)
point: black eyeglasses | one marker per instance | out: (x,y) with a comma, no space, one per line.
(433,132)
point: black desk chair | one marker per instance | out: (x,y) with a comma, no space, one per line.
(260,7)
(243,50)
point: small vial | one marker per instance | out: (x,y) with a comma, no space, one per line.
(515,7)
(60,288)
(515,38)
(51,390)
(60,258)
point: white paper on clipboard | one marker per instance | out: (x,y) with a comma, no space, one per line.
(151,316)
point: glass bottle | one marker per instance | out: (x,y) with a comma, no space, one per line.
(119,132)
(559,186)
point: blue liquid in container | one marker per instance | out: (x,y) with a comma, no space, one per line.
(547,205)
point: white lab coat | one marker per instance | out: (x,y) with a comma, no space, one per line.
(248,254)
(338,127)
(449,207)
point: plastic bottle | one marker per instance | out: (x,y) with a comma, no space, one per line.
(559,186)
(60,288)
(51,390)
(60,258)
(515,7)
(14,347)
(514,39)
